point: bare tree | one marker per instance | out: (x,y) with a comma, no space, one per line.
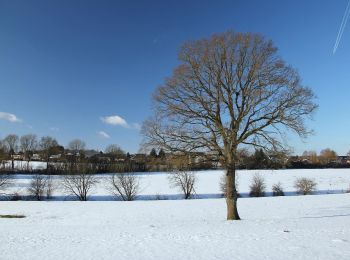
(327,155)
(37,187)
(311,155)
(230,91)
(11,142)
(2,155)
(50,187)
(77,145)
(277,189)
(114,149)
(257,186)
(80,183)
(5,181)
(305,185)
(184,180)
(47,145)
(125,185)
(28,144)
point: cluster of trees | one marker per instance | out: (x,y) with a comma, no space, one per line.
(27,146)
(261,159)
(60,159)
(326,158)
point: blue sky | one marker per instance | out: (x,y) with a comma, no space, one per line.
(67,66)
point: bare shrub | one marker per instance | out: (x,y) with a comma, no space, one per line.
(160,197)
(15,196)
(257,186)
(125,185)
(348,190)
(305,185)
(41,186)
(184,180)
(277,189)
(80,182)
(49,187)
(37,186)
(5,181)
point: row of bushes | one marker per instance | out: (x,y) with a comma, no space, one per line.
(41,187)
(302,185)
(257,187)
(125,186)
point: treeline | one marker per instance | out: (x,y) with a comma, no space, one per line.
(17,154)
(260,159)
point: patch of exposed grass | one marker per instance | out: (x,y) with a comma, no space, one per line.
(12,216)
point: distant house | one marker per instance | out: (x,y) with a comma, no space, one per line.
(55,156)
(36,157)
(17,157)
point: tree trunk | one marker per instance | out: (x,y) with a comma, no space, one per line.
(47,164)
(231,193)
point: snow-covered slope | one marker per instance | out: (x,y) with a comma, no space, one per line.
(294,227)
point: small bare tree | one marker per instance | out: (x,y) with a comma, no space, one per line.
(47,145)
(257,186)
(77,145)
(80,183)
(37,186)
(277,189)
(114,149)
(11,142)
(125,185)
(305,185)
(28,144)
(50,187)
(185,180)
(5,181)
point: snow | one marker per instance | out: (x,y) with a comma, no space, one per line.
(24,165)
(156,185)
(289,227)
(293,227)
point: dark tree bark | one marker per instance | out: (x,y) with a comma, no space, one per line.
(231,193)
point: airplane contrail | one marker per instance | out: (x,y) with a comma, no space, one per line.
(342,27)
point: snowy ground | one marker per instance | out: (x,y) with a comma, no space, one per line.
(156,185)
(289,227)
(293,227)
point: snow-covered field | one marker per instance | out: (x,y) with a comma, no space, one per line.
(294,227)
(156,185)
(289,227)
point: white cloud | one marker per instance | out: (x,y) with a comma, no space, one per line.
(9,117)
(118,120)
(103,134)
(115,120)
